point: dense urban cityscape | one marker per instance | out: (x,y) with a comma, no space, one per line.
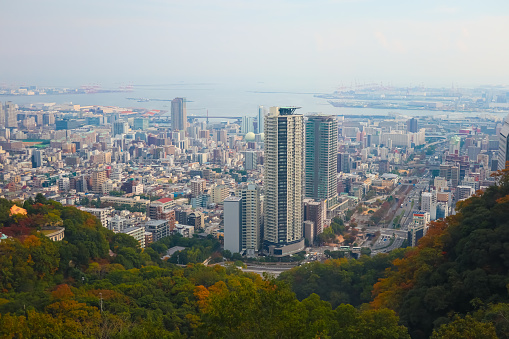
(327,169)
(267,185)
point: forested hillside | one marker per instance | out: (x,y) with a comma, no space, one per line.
(96,283)
(459,268)
(77,288)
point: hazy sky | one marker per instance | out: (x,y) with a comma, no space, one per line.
(322,41)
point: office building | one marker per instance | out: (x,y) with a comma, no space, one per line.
(439,183)
(320,160)
(418,227)
(233,224)
(140,124)
(383,167)
(442,210)
(10,112)
(48,119)
(283,166)
(503,145)
(412,125)
(250,160)
(247,125)
(261,114)
(343,163)
(455,145)
(120,127)
(429,203)
(37,158)
(473,152)
(450,173)
(179,114)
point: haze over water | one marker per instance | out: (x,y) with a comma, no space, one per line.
(220,99)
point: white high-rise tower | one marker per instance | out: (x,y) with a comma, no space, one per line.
(283,181)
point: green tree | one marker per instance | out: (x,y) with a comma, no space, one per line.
(467,327)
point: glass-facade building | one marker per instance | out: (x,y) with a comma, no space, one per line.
(321,159)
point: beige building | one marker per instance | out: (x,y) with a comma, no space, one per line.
(283,181)
(137,233)
(219,193)
(198,186)
(251,219)
(98,177)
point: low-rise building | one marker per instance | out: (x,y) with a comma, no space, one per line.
(137,233)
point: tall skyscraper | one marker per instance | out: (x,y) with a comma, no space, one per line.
(178,114)
(2,115)
(261,114)
(247,125)
(10,112)
(503,144)
(283,232)
(321,158)
(411,125)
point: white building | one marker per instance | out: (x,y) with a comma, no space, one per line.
(233,224)
(186,231)
(137,233)
(429,203)
(418,228)
(117,224)
(464,192)
(64,184)
(101,213)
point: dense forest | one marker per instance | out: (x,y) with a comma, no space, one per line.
(95,283)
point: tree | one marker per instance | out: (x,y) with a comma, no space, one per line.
(467,327)
(116,193)
(227,254)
